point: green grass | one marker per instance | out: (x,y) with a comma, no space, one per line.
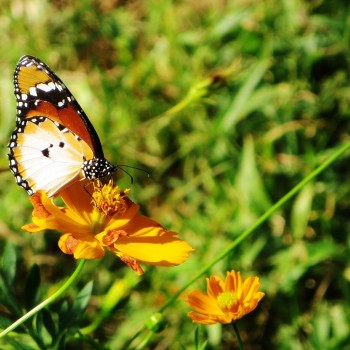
(216,165)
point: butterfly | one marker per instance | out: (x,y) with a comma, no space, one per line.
(54,144)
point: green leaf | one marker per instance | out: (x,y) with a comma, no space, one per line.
(7,275)
(63,316)
(198,335)
(38,321)
(301,211)
(82,299)
(8,263)
(69,316)
(245,101)
(4,322)
(252,196)
(293,262)
(18,345)
(32,287)
(49,323)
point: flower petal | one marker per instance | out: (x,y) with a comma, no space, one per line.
(202,303)
(215,286)
(131,262)
(117,222)
(87,250)
(149,242)
(49,216)
(81,249)
(32,228)
(234,282)
(202,319)
(79,190)
(164,249)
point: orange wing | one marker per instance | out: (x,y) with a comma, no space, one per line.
(54,144)
(39,92)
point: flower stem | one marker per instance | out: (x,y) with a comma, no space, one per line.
(260,221)
(251,229)
(240,342)
(145,341)
(47,301)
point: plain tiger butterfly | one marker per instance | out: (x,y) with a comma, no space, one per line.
(54,144)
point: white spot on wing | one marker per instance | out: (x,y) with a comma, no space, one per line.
(61,103)
(47,173)
(46,87)
(32,91)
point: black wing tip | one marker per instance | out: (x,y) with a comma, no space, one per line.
(27,57)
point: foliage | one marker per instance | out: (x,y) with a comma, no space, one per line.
(280,106)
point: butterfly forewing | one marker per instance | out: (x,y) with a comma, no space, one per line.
(39,92)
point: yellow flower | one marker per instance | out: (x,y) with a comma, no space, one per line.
(112,222)
(225,301)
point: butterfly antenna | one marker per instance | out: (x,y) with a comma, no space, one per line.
(127,173)
(133,167)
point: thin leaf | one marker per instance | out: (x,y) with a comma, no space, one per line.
(32,287)
(63,317)
(7,275)
(19,345)
(301,211)
(82,299)
(49,323)
(242,103)
(8,263)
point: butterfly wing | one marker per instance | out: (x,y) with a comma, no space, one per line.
(46,155)
(54,143)
(40,92)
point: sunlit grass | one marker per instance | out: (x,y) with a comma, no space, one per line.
(216,165)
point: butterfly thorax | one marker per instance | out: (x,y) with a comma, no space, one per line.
(97,168)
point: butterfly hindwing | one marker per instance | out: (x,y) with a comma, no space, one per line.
(46,155)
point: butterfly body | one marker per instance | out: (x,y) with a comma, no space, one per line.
(54,144)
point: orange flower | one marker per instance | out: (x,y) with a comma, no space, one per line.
(226,301)
(112,223)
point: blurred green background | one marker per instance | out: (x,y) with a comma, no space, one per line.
(215,166)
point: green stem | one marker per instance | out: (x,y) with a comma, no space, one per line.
(145,341)
(252,228)
(47,301)
(240,342)
(260,221)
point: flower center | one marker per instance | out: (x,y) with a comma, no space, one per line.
(109,199)
(226,300)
